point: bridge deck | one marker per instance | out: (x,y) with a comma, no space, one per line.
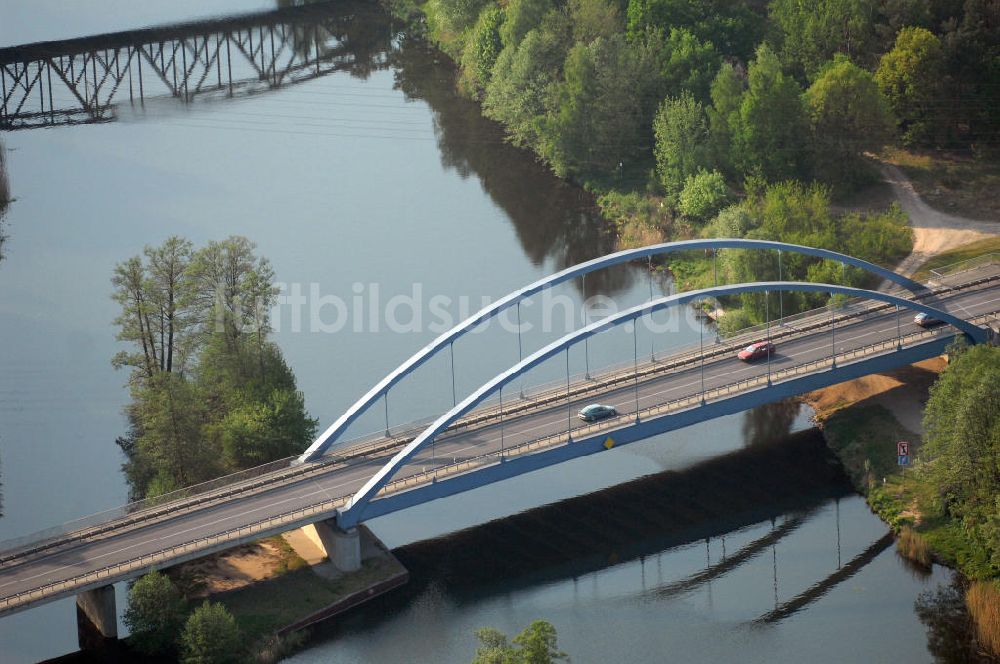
(192,529)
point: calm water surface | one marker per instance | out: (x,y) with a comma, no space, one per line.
(381,176)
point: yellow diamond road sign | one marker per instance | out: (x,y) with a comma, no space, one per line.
(609,443)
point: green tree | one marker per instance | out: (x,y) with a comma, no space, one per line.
(210,392)
(814,32)
(494,647)
(154,314)
(594,18)
(962,446)
(770,129)
(849,116)
(596,120)
(726,92)
(170,413)
(911,78)
(522,76)
(522,17)
(681,148)
(972,53)
(688,64)
(453,16)
(703,195)
(734,27)
(801,214)
(734,221)
(155,613)
(537,644)
(482,50)
(211,636)
(230,289)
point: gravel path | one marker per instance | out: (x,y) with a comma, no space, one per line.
(933,231)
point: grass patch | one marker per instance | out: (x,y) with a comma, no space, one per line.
(264,607)
(957,255)
(983,601)
(951,183)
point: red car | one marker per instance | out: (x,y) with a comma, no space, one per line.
(756,351)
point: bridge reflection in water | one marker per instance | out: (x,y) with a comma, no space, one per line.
(88,80)
(756,497)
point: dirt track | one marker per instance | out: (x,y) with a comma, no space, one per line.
(933,231)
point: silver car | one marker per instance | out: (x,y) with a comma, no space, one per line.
(596,411)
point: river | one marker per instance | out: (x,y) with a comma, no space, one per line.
(357,186)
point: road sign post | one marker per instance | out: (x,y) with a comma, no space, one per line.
(903,459)
(903,453)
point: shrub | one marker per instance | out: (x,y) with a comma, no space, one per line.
(703,195)
(211,636)
(155,613)
(734,321)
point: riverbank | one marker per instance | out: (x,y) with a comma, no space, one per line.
(279,586)
(862,421)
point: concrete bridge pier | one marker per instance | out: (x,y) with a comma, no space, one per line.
(96,617)
(342,547)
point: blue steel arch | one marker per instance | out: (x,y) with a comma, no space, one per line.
(335,430)
(350,516)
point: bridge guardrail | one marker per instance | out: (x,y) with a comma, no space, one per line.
(149,510)
(110,572)
(965,266)
(287,519)
(683,403)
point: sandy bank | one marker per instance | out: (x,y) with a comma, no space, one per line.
(903,392)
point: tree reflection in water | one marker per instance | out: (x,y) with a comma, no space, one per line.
(769,422)
(950,634)
(553,219)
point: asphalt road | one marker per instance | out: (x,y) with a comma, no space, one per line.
(342,480)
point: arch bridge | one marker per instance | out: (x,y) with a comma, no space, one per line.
(336,484)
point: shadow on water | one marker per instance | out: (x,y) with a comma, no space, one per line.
(791,478)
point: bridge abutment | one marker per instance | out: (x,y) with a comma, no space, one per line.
(342,547)
(96,617)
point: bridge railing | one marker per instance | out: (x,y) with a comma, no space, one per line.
(965,266)
(534,397)
(294,518)
(148,562)
(143,512)
(674,405)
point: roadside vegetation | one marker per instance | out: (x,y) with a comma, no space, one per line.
(681,114)
(211,393)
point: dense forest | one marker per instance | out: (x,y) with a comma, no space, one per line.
(711,117)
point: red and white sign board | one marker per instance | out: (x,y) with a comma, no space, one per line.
(902,448)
